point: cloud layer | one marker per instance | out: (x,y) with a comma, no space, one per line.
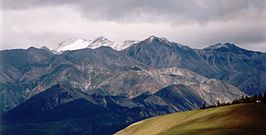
(197,23)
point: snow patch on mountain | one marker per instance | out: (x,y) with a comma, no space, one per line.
(124,44)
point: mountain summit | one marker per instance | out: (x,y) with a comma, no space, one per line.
(228,47)
(100,41)
(155,38)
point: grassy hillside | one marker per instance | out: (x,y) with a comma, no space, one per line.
(233,119)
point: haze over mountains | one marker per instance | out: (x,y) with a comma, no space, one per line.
(137,78)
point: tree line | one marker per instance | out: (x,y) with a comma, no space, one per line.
(244,99)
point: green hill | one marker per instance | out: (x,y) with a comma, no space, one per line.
(226,120)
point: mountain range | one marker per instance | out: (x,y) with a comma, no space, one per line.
(111,85)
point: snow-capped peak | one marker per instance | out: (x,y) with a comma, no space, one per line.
(100,41)
(161,39)
(124,44)
(96,43)
(72,45)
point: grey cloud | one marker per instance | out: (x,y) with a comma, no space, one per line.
(196,23)
(174,11)
(29,4)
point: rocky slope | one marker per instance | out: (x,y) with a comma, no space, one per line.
(243,68)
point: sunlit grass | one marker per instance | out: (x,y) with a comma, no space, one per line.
(233,119)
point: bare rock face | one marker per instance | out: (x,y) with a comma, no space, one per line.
(134,83)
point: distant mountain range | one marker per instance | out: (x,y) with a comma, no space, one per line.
(99,79)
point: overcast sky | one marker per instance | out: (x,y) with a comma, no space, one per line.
(196,23)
